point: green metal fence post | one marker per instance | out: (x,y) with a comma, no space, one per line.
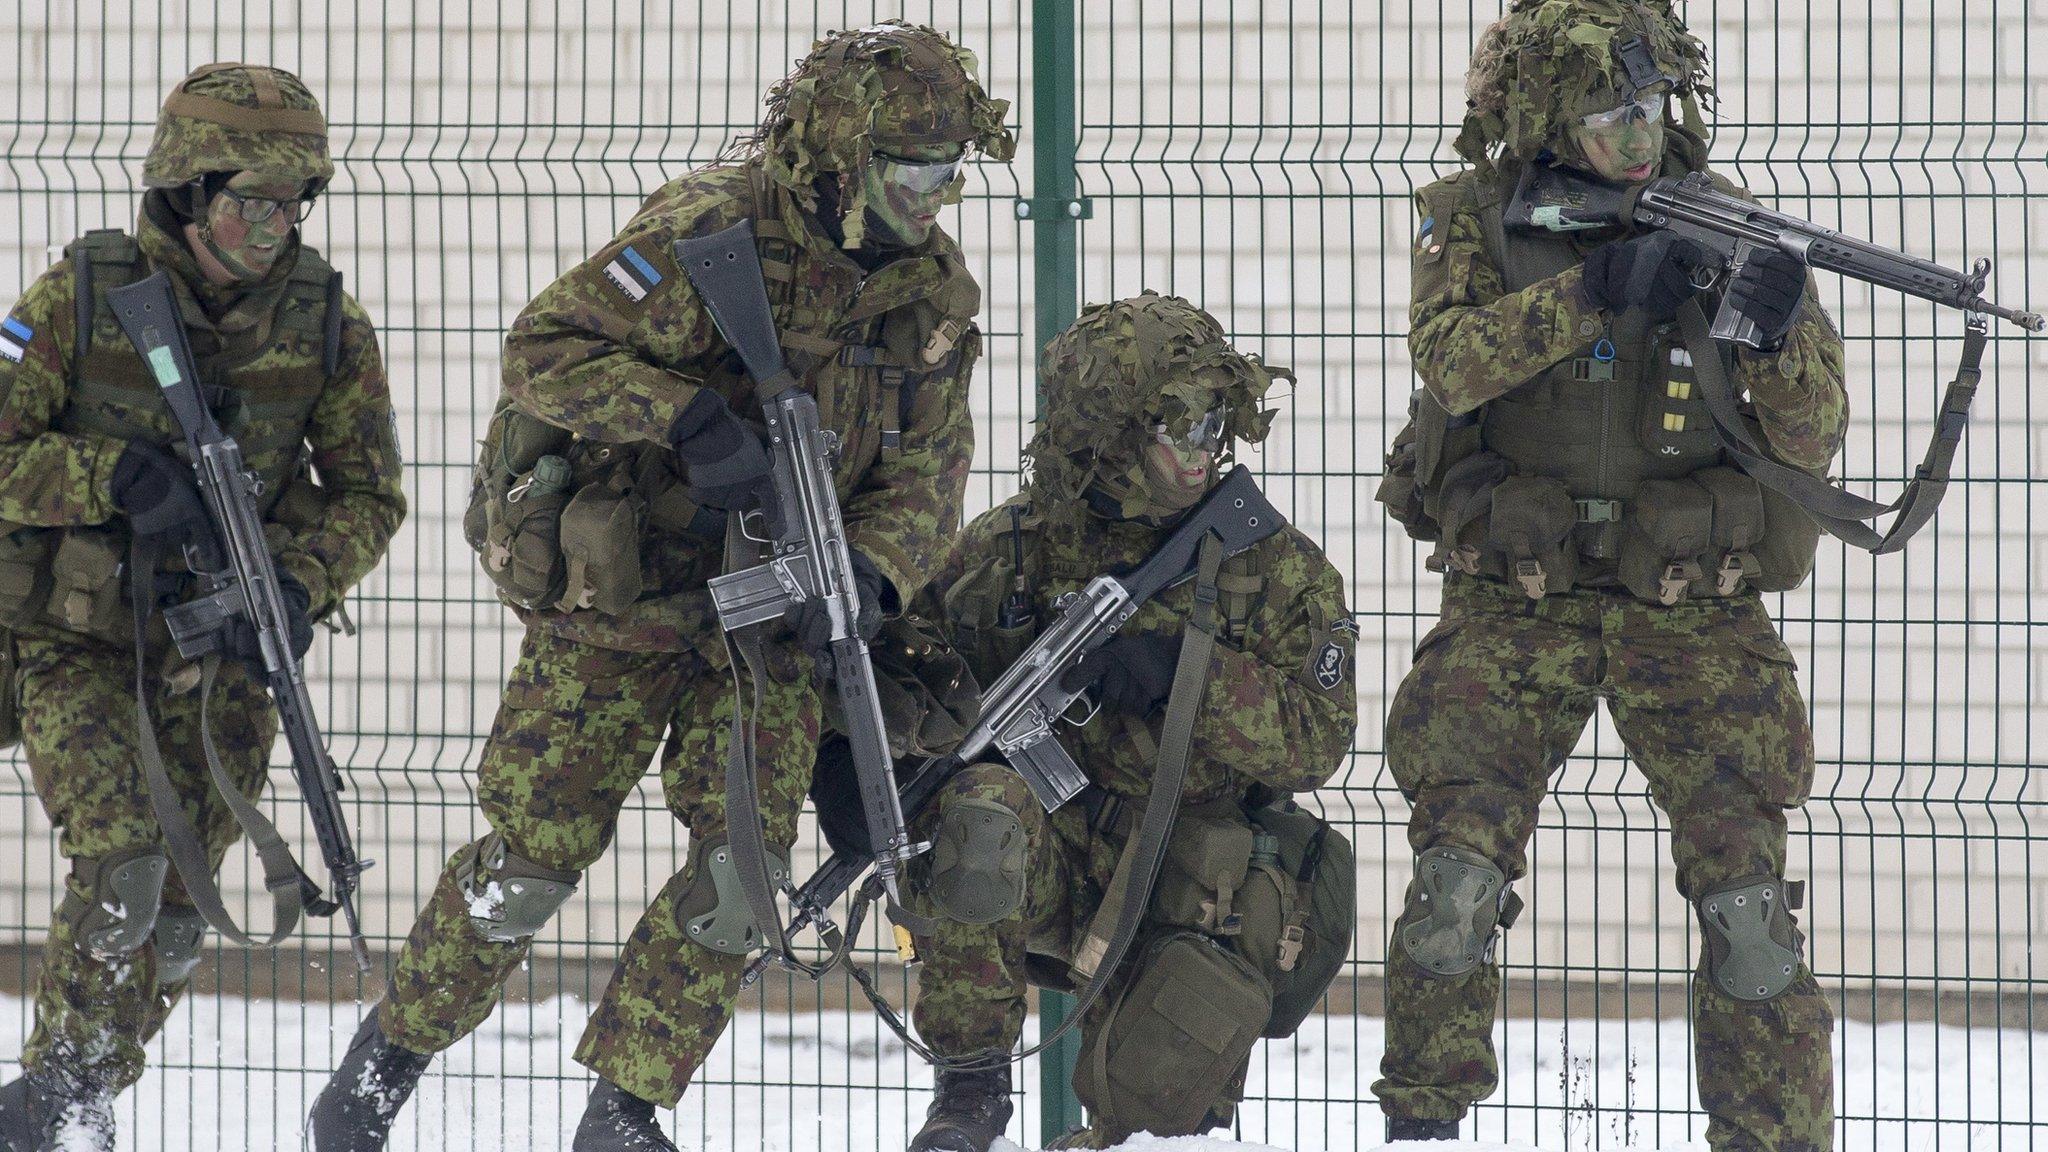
(1055,212)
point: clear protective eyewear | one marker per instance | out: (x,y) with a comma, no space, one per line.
(1642,111)
(1204,435)
(923,177)
(257,209)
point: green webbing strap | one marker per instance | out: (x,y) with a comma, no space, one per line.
(743,829)
(282,876)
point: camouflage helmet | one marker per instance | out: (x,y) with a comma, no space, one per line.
(1120,366)
(1549,61)
(239,118)
(888,86)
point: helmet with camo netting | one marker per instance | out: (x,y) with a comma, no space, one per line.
(883,88)
(1122,367)
(1548,62)
(239,118)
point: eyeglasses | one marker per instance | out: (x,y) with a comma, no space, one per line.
(923,177)
(257,209)
(1204,435)
(1641,111)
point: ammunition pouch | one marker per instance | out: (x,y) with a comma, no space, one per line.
(1418,464)
(1664,547)
(85,585)
(1519,529)
(600,529)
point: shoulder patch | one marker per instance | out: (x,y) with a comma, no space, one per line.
(632,274)
(14,338)
(1328,667)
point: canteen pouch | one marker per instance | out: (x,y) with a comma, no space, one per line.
(1529,534)
(1299,911)
(1738,527)
(1665,541)
(1176,1040)
(599,535)
(1207,861)
(1784,556)
(1464,505)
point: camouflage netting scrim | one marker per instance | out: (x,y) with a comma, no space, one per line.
(1548,61)
(239,118)
(1149,355)
(889,86)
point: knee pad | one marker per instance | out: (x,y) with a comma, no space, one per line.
(1455,902)
(126,890)
(179,932)
(510,897)
(1752,949)
(976,874)
(713,910)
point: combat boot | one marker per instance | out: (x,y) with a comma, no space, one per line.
(969,1110)
(1416,1128)
(354,1112)
(618,1121)
(44,1111)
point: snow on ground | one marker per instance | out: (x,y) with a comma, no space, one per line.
(234,1075)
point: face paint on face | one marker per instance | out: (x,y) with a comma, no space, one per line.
(1176,470)
(905,191)
(248,248)
(1624,144)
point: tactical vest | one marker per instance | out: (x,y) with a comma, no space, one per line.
(1604,469)
(67,579)
(594,526)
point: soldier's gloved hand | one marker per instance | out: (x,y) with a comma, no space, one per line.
(242,639)
(156,491)
(1652,272)
(813,624)
(729,469)
(1135,673)
(1768,291)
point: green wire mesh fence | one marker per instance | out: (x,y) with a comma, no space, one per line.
(1259,158)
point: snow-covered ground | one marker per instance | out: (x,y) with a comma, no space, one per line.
(232,1075)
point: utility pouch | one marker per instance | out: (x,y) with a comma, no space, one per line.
(1400,490)
(1464,503)
(600,548)
(85,584)
(1207,861)
(1176,1041)
(1530,533)
(1738,526)
(523,542)
(1316,925)
(928,695)
(1668,538)
(974,609)
(24,573)
(1784,556)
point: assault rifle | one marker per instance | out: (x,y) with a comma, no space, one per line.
(1556,199)
(1018,710)
(238,581)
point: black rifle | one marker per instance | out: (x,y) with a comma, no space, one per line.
(1018,710)
(238,580)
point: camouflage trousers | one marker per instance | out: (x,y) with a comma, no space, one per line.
(1704,696)
(77,701)
(574,733)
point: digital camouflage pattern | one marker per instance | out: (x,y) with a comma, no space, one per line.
(1121,365)
(1268,723)
(77,708)
(239,118)
(884,88)
(1705,697)
(1548,62)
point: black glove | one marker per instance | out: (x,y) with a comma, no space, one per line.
(1768,291)
(242,639)
(814,627)
(1652,272)
(156,491)
(1135,672)
(729,469)
(835,792)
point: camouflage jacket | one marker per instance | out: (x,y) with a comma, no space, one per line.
(1280,709)
(57,467)
(1473,341)
(618,346)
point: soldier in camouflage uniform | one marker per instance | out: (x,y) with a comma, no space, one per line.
(1143,400)
(619,369)
(91,456)
(1599,546)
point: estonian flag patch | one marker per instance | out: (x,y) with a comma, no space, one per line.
(632,274)
(14,338)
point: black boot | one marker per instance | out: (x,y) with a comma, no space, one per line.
(44,1111)
(354,1112)
(1415,1128)
(968,1112)
(615,1120)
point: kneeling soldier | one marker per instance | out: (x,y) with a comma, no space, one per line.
(1143,400)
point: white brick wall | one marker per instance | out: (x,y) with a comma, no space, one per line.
(1258,158)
